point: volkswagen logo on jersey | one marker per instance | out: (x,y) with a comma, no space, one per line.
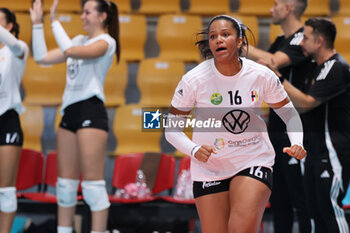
(236,121)
(73,69)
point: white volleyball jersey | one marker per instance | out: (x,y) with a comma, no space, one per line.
(241,141)
(85,77)
(11,73)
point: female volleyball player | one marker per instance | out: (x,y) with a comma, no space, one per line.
(83,131)
(13,56)
(231,163)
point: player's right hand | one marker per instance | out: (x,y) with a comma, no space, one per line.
(53,10)
(204,153)
(296,151)
(36,12)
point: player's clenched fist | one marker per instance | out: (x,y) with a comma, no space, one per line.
(296,151)
(204,153)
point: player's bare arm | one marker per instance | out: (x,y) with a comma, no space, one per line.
(303,102)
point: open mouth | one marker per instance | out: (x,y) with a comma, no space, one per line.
(220,49)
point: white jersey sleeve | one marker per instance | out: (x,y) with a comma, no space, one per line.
(184,97)
(273,89)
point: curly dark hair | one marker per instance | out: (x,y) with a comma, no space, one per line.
(203,42)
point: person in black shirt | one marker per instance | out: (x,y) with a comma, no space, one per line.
(327,124)
(287,56)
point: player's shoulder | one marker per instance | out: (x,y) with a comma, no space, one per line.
(258,72)
(340,62)
(80,39)
(83,39)
(252,66)
(336,65)
(105,36)
(200,72)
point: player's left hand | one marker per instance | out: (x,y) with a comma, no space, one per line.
(296,151)
(53,10)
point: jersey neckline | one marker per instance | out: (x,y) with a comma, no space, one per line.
(227,77)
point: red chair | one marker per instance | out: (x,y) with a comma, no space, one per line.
(185,163)
(50,179)
(29,171)
(125,168)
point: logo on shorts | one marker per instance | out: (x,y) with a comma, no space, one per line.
(236,121)
(86,123)
(73,69)
(216,98)
(151,120)
(12,138)
(209,184)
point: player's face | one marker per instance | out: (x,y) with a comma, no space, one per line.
(309,43)
(3,21)
(92,19)
(223,41)
(279,11)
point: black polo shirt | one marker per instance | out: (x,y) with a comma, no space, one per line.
(298,72)
(328,125)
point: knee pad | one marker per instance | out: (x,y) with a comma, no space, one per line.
(8,199)
(95,194)
(61,229)
(66,192)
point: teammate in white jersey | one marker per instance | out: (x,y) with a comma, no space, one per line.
(82,135)
(231,164)
(13,56)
